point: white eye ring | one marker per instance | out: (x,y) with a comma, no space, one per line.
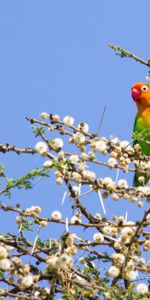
(144,88)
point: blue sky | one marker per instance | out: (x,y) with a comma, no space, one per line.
(54,57)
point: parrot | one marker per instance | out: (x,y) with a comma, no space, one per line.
(140,92)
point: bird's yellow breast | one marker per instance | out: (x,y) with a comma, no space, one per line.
(143,119)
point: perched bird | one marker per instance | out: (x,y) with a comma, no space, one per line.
(141,96)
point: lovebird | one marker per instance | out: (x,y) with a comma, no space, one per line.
(141,95)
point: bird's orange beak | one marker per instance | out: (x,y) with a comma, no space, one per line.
(135,94)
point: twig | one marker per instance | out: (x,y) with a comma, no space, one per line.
(125,53)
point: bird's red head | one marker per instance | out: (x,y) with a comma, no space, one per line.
(141,94)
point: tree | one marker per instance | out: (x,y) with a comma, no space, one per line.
(112,264)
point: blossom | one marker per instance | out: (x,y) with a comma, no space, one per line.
(114,140)
(3,252)
(5,264)
(124,144)
(59,180)
(122,184)
(84,156)
(142,288)
(70,239)
(107,181)
(99,146)
(107,230)
(34,208)
(74,158)
(127,231)
(57,143)
(115,197)
(55,118)
(41,148)
(79,138)
(110,185)
(75,219)
(44,115)
(75,191)
(64,260)
(52,261)
(72,250)
(112,161)
(118,259)
(19,220)
(83,127)
(26,282)
(48,163)
(76,177)
(98,237)
(98,216)
(43,223)
(68,121)
(113,271)
(88,175)
(130,275)
(56,215)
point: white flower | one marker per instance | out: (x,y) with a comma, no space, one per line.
(91,155)
(112,161)
(118,259)
(76,177)
(107,181)
(57,143)
(132,199)
(41,148)
(79,138)
(83,127)
(26,282)
(75,219)
(48,163)
(52,261)
(44,115)
(113,271)
(131,275)
(99,146)
(56,215)
(124,144)
(88,175)
(97,216)
(68,121)
(59,180)
(34,208)
(84,156)
(5,264)
(122,184)
(70,239)
(55,118)
(114,140)
(75,191)
(37,295)
(98,237)
(127,231)
(74,159)
(64,260)
(107,230)
(115,197)
(43,223)
(3,252)
(142,288)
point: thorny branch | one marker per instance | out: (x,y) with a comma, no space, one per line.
(74,264)
(125,53)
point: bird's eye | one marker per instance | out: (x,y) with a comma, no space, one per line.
(144,88)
